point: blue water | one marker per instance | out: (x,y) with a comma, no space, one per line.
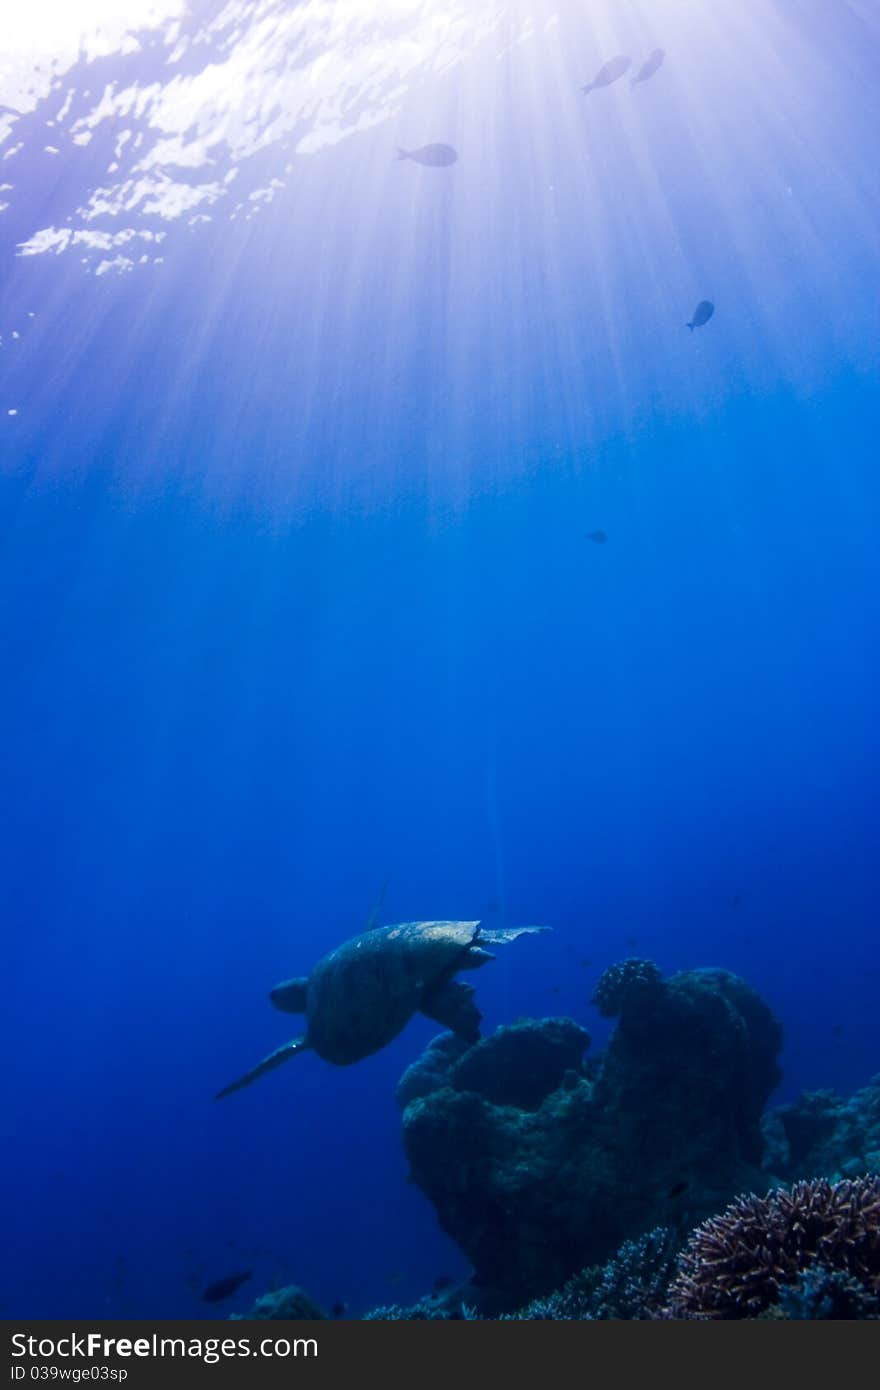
(297,597)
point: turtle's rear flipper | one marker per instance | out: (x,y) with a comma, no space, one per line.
(281,1054)
(453,1006)
(498,935)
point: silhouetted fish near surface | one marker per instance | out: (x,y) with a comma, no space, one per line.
(224,1288)
(649,66)
(435,156)
(677,1189)
(702,314)
(608,73)
(600,537)
(339,1309)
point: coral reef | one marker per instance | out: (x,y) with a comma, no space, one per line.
(539,1168)
(288,1303)
(524,1063)
(738,1264)
(629,980)
(631,1285)
(822,1293)
(430,1071)
(822,1135)
(428,1309)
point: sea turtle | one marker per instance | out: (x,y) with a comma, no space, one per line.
(362,995)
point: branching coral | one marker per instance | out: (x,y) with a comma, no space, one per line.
(737,1264)
(629,1286)
(426,1310)
(826,1294)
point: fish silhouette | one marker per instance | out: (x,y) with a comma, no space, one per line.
(434,156)
(702,314)
(600,537)
(608,73)
(224,1288)
(649,66)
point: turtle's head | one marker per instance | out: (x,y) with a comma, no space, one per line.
(291,995)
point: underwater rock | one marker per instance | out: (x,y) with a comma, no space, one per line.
(822,1135)
(523,1063)
(290,1303)
(430,1071)
(534,1190)
(627,981)
(700,1048)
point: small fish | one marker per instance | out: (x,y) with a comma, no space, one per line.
(649,66)
(586,962)
(632,941)
(837,1030)
(554,989)
(702,314)
(608,73)
(434,156)
(600,537)
(677,1189)
(224,1288)
(339,1309)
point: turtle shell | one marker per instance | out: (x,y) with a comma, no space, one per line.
(363,994)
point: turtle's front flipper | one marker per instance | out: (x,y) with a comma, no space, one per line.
(498,935)
(281,1054)
(453,1006)
(291,995)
